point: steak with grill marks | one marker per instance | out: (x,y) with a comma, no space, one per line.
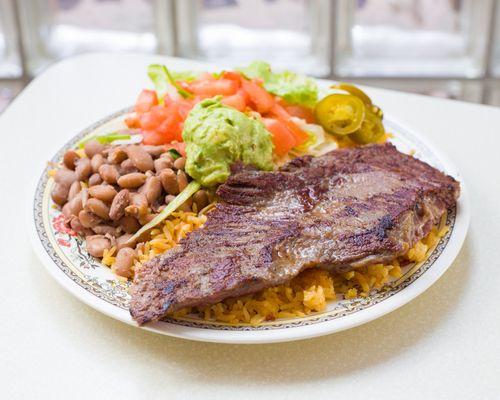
(348,208)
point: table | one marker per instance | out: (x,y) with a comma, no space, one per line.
(443,345)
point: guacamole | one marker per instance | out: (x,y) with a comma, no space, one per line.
(216,136)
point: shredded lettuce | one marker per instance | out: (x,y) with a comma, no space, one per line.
(318,142)
(162,79)
(293,88)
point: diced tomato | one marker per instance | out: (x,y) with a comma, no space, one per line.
(301,112)
(183,84)
(200,97)
(178,133)
(183,107)
(279,112)
(283,139)
(236,101)
(299,134)
(169,128)
(152,137)
(232,76)
(224,87)
(262,100)
(160,113)
(148,121)
(132,121)
(245,95)
(206,76)
(145,101)
(284,117)
(183,110)
(168,101)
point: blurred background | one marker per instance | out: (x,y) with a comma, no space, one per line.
(446,48)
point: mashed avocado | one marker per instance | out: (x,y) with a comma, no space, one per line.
(216,136)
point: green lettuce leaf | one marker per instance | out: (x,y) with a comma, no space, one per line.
(162,78)
(186,76)
(293,88)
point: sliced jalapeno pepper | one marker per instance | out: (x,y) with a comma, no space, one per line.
(378,111)
(354,90)
(341,114)
(370,131)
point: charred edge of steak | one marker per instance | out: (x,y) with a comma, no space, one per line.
(349,208)
(157,278)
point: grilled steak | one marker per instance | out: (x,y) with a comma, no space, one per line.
(346,209)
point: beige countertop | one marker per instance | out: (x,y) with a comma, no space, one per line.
(443,345)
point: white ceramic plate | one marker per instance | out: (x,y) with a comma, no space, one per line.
(65,257)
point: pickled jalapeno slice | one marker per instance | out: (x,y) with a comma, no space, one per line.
(371,129)
(354,90)
(340,114)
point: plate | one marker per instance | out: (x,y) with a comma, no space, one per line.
(65,257)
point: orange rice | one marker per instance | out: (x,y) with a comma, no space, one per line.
(307,293)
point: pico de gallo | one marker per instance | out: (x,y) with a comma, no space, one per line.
(252,115)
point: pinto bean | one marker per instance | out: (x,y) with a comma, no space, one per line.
(74,206)
(141,158)
(60,193)
(186,206)
(69,159)
(169,181)
(152,189)
(65,177)
(182,180)
(180,163)
(169,198)
(154,151)
(96,244)
(83,169)
(124,262)
(96,162)
(146,218)
(85,196)
(123,241)
(95,179)
(88,219)
(97,207)
(74,189)
(138,205)
(105,193)
(109,173)
(117,155)
(93,147)
(157,208)
(132,180)
(127,167)
(66,211)
(77,226)
(162,163)
(129,224)
(200,198)
(120,202)
(104,229)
